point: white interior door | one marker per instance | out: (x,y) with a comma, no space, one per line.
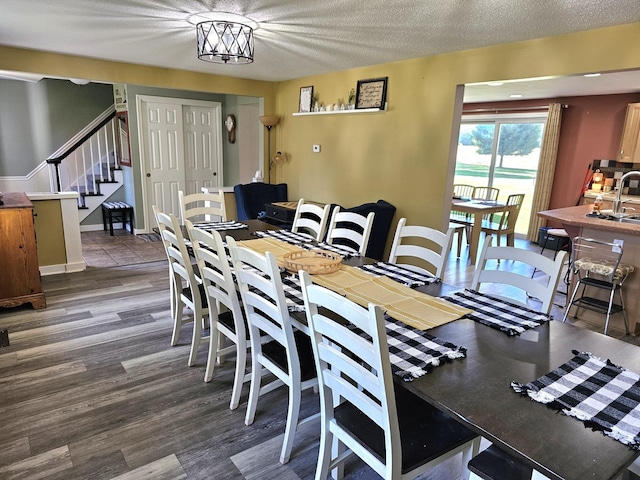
(181,148)
(203,147)
(164,156)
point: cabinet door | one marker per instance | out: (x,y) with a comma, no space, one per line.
(629,146)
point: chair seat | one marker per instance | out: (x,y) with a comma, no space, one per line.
(557,232)
(494,464)
(426,432)
(604,267)
(276,352)
(203,296)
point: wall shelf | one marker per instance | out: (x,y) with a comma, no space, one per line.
(340,112)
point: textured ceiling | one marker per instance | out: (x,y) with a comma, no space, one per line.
(296,38)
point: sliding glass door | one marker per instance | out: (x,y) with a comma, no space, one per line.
(501,152)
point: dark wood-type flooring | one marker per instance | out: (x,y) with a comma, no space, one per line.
(91,389)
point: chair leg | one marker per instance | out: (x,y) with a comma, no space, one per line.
(467,454)
(254,390)
(214,339)
(324,454)
(606,322)
(238,379)
(292,422)
(177,320)
(195,340)
(570,302)
(624,313)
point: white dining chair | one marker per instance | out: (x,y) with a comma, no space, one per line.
(288,356)
(506,282)
(202,207)
(311,218)
(427,246)
(187,286)
(399,435)
(350,230)
(225,312)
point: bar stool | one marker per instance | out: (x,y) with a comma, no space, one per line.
(558,239)
(596,264)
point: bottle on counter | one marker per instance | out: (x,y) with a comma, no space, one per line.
(597,205)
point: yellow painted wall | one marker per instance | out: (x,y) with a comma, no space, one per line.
(402,155)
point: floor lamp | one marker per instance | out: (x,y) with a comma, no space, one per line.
(269,121)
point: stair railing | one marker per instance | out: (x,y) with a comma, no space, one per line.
(88,159)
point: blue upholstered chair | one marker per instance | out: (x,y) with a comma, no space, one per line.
(384,213)
(251,197)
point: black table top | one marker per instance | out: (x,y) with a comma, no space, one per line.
(476,390)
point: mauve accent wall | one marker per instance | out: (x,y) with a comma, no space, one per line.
(591,129)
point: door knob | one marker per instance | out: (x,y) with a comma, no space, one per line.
(148,174)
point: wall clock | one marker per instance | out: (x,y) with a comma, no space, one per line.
(230,123)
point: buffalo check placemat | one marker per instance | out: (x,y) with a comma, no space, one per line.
(602,395)
(339,249)
(413,352)
(232,225)
(399,274)
(511,318)
(285,236)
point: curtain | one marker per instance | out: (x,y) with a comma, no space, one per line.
(546,169)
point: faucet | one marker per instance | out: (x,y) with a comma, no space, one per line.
(617,202)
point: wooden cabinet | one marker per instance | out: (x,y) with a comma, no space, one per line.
(630,143)
(20,276)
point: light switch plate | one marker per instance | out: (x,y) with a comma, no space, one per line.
(316,149)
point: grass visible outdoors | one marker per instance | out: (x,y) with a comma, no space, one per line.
(517,175)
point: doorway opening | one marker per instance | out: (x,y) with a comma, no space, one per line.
(501,151)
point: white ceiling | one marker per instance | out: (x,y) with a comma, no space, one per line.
(297,38)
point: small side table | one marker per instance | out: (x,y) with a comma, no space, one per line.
(119,212)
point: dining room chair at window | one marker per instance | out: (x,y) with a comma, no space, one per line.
(489,194)
(188,287)
(225,313)
(202,207)
(363,411)
(461,222)
(505,225)
(427,248)
(350,229)
(311,218)
(515,283)
(288,356)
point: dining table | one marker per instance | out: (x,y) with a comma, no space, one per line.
(476,389)
(476,209)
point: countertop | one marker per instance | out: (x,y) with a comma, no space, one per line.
(577,217)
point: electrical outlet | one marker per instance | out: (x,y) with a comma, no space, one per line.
(316,149)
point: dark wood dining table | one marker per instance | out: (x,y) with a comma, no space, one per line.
(477,390)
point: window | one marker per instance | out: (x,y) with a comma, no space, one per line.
(501,151)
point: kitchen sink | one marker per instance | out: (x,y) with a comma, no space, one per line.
(635,219)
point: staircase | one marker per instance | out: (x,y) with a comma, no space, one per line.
(89,163)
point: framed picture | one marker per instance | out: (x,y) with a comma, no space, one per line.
(306,94)
(371,93)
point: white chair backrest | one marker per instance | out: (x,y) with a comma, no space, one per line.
(311,218)
(263,300)
(491,274)
(178,255)
(352,367)
(202,207)
(350,229)
(462,190)
(216,275)
(485,193)
(427,245)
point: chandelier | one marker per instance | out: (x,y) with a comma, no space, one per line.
(225,42)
